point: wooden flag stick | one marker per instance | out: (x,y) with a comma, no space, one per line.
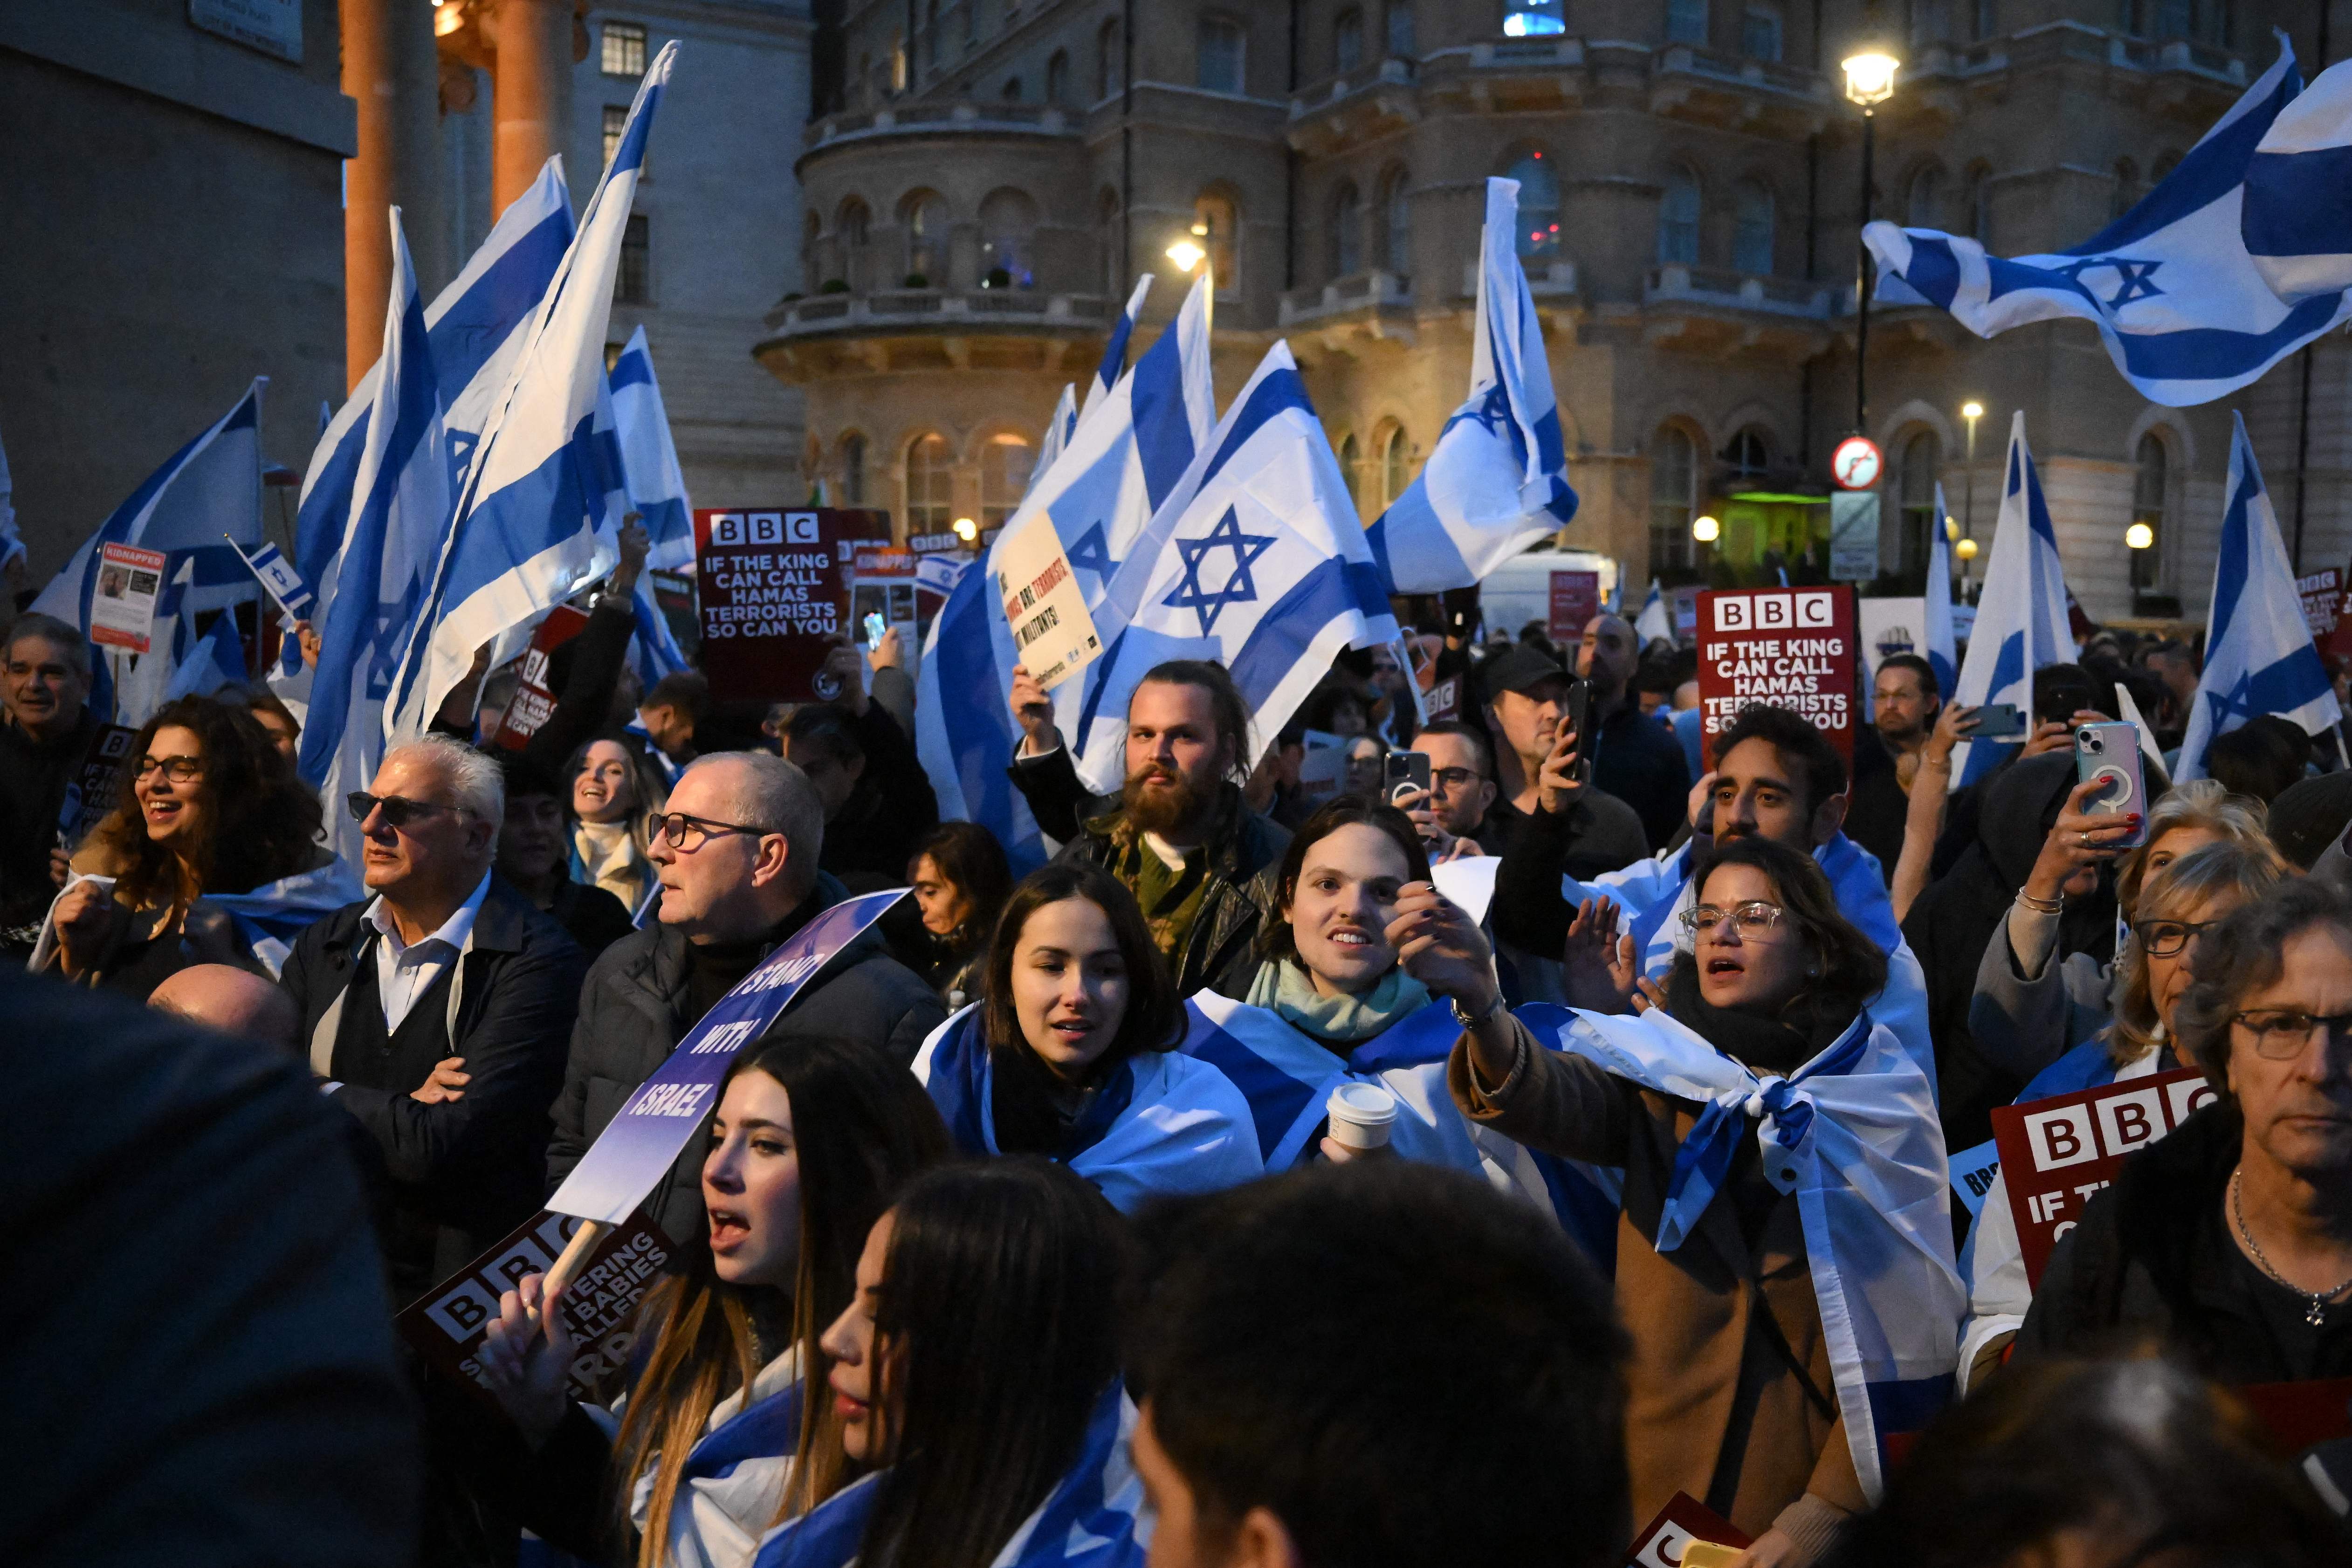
(575,1255)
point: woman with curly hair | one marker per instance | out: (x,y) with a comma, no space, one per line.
(207,805)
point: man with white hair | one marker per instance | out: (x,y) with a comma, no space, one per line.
(436,1011)
(737,852)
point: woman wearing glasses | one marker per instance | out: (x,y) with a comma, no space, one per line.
(2229,1242)
(206,804)
(1771,1330)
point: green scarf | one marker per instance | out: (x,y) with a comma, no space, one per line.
(1283,987)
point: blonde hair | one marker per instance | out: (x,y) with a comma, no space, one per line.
(2199,803)
(2246,869)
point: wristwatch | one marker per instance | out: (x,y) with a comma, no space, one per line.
(1472,1020)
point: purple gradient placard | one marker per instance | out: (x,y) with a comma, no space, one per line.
(643,1141)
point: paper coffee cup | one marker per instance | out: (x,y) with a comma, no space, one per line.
(1361,1114)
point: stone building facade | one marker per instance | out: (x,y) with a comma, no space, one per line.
(996,171)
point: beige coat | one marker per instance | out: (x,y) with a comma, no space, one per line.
(1713,1406)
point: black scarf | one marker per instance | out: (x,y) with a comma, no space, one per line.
(1766,1042)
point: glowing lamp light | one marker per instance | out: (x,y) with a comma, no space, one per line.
(1951,531)
(447,18)
(2139,536)
(1971,410)
(966,530)
(1966,550)
(1185,255)
(1705,529)
(1869,76)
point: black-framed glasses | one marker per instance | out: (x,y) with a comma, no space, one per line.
(179,770)
(2281,1034)
(675,826)
(1751,916)
(399,811)
(1454,778)
(2166,939)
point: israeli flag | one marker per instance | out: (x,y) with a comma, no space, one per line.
(1256,563)
(1497,480)
(270,917)
(1058,431)
(1128,453)
(2186,313)
(1656,621)
(1114,359)
(2297,216)
(2021,614)
(542,502)
(400,516)
(2259,657)
(1937,643)
(657,492)
(276,573)
(11,545)
(217,659)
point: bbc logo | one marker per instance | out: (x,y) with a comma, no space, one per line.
(1775,612)
(763,528)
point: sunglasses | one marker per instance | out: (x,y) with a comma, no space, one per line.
(398,810)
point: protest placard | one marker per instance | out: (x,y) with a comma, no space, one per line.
(2057,1153)
(1686,614)
(1792,647)
(1052,633)
(447,1327)
(2323,601)
(1575,599)
(774,590)
(1684,1521)
(122,610)
(534,698)
(674,596)
(91,793)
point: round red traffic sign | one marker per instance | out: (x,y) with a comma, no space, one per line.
(1855,465)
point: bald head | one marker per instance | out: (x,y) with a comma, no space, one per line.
(233,1001)
(1607,655)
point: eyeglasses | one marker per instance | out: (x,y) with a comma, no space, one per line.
(2281,1036)
(675,827)
(2163,939)
(179,770)
(1454,778)
(398,810)
(1752,918)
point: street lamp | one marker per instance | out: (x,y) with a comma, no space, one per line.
(2139,536)
(1189,251)
(1705,529)
(1869,82)
(966,530)
(1970,411)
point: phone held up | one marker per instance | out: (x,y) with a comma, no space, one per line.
(1998,722)
(1576,713)
(2109,753)
(1402,771)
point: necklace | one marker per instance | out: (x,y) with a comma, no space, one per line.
(2316,1310)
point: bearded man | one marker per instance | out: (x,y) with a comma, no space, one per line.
(1180,838)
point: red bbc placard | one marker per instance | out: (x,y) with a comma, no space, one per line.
(2057,1153)
(774,587)
(2323,598)
(1791,648)
(1575,599)
(1683,1520)
(534,700)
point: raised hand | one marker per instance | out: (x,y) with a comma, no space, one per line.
(1034,712)
(526,1360)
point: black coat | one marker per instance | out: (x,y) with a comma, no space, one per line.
(33,777)
(633,1011)
(1640,761)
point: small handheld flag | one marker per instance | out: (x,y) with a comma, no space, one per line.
(278,576)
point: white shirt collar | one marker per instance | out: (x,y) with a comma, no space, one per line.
(455,931)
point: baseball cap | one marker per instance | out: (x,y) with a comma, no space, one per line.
(1518,669)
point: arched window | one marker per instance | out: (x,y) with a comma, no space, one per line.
(1751,237)
(1748,455)
(1216,212)
(853,226)
(1008,220)
(1759,31)
(811,231)
(924,216)
(1058,80)
(1396,455)
(1538,204)
(1979,204)
(853,469)
(2127,189)
(930,485)
(1003,477)
(1114,265)
(1686,22)
(1678,219)
(1348,41)
(1347,231)
(1351,458)
(1923,455)
(1400,23)
(1534,18)
(2148,506)
(1673,498)
(1110,65)
(1220,55)
(1396,213)
(1922,204)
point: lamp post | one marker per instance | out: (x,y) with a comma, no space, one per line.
(1869,82)
(1970,411)
(1191,247)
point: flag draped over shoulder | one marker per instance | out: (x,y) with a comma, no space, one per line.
(2021,614)
(1495,481)
(656,487)
(2259,657)
(2186,312)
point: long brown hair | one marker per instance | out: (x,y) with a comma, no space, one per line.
(261,822)
(861,1126)
(1853,969)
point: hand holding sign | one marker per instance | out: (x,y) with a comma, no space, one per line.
(527,1371)
(1034,712)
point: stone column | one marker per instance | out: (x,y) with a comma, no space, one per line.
(530,98)
(391,72)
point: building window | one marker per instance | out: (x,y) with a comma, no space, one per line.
(924,216)
(622,51)
(616,118)
(1534,18)
(2127,189)
(812,237)
(1396,212)
(1351,458)
(899,66)
(1759,33)
(1747,456)
(1922,201)
(1686,22)
(2148,507)
(633,284)
(853,470)
(1346,232)
(1751,236)
(1216,212)
(1058,80)
(1220,55)
(1678,219)
(1348,42)
(1980,201)
(1110,65)
(1538,236)
(1008,220)
(1396,455)
(1400,21)
(931,34)
(853,226)
(1004,465)
(1923,455)
(1674,498)
(930,486)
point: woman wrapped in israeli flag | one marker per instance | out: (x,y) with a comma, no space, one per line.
(1070,1052)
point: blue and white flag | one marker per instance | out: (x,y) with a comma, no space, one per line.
(1257,563)
(271,916)
(277,575)
(1855,1136)
(2021,614)
(2259,657)
(1496,481)
(1058,431)
(2296,220)
(11,545)
(216,660)
(1130,452)
(541,511)
(1938,646)
(2186,313)
(657,492)
(1114,359)
(1656,621)
(1162,1124)
(400,518)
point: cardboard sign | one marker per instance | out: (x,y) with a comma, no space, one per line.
(935,543)
(638,1148)
(1575,599)
(1974,1170)
(1683,1520)
(1053,634)
(2323,598)
(775,598)
(1792,648)
(2056,1154)
(674,596)
(534,699)
(446,1328)
(122,611)
(92,792)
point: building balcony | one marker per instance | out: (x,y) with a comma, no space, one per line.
(1376,98)
(1507,74)
(949,117)
(906,329)
(1715,310)
(1763,97)
(1358,291)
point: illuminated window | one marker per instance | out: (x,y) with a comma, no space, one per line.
(1004,466)
(925,215)
(1396,455)
(930,485)
(1538,237)
(1216,211)
(623,49)
(1673,498)
(1008,221)
(616,116)
(1534,18)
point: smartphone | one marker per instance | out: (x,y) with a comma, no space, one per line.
(875,628)
(2109,753)
(1404,771)
(1998,722)
(1576,713)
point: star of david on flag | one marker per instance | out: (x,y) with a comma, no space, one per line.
(1238,590)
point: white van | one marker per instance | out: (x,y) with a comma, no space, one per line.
(1519,590)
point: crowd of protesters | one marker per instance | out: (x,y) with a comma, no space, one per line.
(1218,1191)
